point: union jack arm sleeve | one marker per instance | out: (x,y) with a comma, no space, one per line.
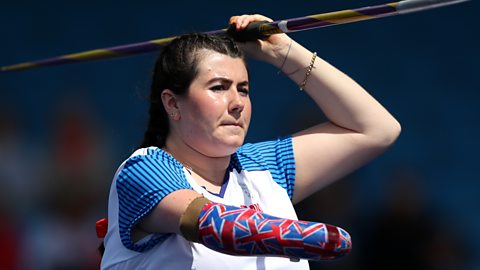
(243,231)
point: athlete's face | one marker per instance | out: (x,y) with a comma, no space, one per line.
(216,112)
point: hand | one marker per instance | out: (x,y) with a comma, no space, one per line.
(271,50)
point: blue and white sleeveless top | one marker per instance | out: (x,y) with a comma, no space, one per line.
(260,176)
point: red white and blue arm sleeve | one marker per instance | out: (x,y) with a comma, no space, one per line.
(243,231)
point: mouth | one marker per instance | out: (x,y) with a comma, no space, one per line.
(234,124)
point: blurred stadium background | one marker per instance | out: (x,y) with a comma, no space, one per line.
(65,129)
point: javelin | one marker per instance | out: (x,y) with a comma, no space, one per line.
(255,30)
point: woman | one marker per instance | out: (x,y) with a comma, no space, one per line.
(193,197)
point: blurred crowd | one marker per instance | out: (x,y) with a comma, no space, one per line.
(401,233)
(52,191)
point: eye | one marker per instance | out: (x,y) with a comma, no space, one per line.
(218,87)
(244,91)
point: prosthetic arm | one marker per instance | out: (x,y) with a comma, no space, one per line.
(243,231)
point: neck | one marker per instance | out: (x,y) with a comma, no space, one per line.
(210,169)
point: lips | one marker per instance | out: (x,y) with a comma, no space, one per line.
(231,124)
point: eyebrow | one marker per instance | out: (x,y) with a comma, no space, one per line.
(222,79)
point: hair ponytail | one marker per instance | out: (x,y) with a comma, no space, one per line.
(157,127)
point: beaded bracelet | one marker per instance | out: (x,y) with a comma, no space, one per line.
(309,70)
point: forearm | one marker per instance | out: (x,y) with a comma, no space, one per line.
(241,231)
(344,102)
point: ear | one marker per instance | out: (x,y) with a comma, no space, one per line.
(170,103)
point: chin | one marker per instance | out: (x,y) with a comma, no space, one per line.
(226,148)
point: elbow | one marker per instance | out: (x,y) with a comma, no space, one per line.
(395,131)
(388,134)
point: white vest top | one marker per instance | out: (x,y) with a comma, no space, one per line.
(255,189)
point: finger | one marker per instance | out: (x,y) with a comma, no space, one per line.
(236,20)
(242,22)
(255,18)
(233,20)
(260,17)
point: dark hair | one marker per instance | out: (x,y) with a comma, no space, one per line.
(175,69)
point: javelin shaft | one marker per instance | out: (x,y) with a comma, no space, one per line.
(265,29)
(355,15)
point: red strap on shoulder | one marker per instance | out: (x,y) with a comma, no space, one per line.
(102,227)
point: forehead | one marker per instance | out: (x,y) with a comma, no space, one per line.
(213,64)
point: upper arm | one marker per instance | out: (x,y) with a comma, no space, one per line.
(327,152)
(142,184)
(165,217)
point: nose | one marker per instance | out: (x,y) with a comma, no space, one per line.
(236,102)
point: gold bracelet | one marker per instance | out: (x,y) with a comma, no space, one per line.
(309,70)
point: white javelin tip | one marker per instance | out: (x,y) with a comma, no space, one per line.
(408,6)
